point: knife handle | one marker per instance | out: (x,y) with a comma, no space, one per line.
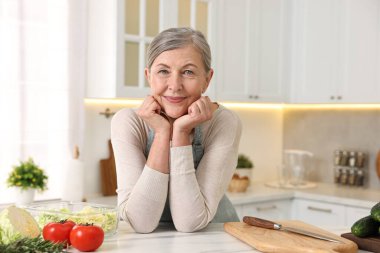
(257,222)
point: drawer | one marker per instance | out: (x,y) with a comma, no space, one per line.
(319,213)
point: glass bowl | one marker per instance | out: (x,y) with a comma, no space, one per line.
(104,216)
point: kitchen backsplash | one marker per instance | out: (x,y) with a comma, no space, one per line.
(322,131)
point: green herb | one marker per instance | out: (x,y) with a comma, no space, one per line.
(28,175)
(244,162)
(31,245)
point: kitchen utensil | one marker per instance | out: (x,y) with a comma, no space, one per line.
(371,243)
(269,240)
(108,173)
(253,221)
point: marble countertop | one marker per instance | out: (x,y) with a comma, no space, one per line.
(259,192)
(331,193)
(165,239)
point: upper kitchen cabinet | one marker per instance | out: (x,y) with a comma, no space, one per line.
(336,51)
(253,48)
(120,32)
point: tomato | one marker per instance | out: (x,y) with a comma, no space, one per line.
(58,232)
(86,237)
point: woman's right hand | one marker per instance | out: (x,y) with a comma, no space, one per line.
(150,112)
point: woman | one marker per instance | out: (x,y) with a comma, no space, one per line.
(175,155)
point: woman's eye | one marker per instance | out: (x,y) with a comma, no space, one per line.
(163,71)
(188,72)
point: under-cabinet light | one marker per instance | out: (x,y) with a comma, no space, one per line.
(235,105)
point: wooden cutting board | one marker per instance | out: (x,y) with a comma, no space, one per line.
(371,243)
(268,240)
(108,173)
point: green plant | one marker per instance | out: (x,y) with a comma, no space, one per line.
(244,162)
(28,175)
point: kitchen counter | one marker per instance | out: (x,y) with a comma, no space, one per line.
(331,193)
(165,239)
(258,192)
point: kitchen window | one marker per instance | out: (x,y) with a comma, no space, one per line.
(42,65)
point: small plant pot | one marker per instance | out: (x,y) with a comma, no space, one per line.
(244,172)
(24,197)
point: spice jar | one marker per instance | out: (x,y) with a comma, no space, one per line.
(360,160)
(352,159)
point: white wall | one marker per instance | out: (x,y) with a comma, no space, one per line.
(261,140)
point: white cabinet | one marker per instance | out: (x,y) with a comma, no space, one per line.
(355,213)
(120,32)
(252,50)
(336,51)
(272,210)
(319,213)
(327,214)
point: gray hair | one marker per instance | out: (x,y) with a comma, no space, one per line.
(174,38)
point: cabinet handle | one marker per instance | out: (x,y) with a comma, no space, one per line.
(266,208)
(253,97)
(332,97)
(339,97)
(319,209)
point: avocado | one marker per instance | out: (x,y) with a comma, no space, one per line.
(365,227)
(375,212)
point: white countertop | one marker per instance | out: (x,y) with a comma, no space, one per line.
(165,239)
(258,192)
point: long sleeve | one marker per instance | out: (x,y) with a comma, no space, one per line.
(142,191)
(195,194)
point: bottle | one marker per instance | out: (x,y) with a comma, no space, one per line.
(337,157)
(344,160)
(352,159)
(359,178)
(352,177)
(360,160)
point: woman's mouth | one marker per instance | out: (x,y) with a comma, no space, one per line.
(174,99)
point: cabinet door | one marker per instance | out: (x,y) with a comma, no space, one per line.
(315,51)
(336,51)
(251,48)
(319,213)
(360,48)
(355,213)
(273,210)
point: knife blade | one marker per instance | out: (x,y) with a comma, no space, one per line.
(257,222)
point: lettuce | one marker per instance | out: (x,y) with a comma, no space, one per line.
(17,223)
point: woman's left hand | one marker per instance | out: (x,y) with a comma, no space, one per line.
(199,111)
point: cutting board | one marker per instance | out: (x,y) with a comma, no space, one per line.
(268,240)
(371,243)
(108,173)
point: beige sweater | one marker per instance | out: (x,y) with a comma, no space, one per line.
(194,195)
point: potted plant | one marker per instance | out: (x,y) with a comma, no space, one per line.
(26,178)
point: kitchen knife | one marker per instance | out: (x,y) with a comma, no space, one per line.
(257,222)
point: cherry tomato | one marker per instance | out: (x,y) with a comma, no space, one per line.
(86,237)
(58,232)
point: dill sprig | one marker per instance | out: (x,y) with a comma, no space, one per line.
(31,245)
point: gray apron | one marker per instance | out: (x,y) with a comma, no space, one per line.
(225,212)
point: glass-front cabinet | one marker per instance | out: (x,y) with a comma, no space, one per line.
(119,35)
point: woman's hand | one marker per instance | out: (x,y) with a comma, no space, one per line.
(150,112)
(198,112)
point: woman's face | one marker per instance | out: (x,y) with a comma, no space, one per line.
(178,78)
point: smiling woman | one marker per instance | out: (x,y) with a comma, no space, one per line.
(176,153)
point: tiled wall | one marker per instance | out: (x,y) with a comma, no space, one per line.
(322,131)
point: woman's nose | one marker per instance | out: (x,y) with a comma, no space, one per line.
(175,82)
